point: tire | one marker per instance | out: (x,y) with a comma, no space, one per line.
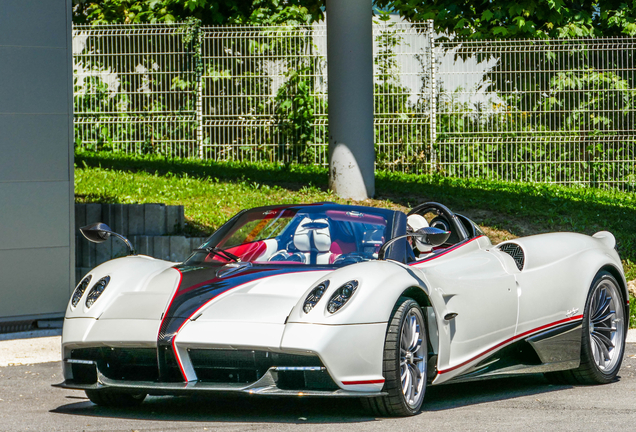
(107,398)
(603,335)
(405,354)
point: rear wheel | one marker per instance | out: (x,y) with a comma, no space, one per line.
(404,365)
(603,338)
(108,398)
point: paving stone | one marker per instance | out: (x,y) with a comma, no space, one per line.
(195,242)
(119,248)
(155,219)
(88,254)
(103,251)
(120,218)
(136,220)
(147,245)
(107,216)
(80,216)
(79,246)
(174,219)
(181,215)
(93,213)
(179,248)
(161,247)
(81,272)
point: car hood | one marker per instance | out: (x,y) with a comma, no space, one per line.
(260,293)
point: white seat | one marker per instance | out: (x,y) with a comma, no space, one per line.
(313,240)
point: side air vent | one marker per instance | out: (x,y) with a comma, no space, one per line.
(515,251)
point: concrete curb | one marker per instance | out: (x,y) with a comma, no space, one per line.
(30,351)
(31,334)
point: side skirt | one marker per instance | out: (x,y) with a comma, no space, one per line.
(556,349)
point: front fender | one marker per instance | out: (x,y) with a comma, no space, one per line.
(380,284)
(130,276)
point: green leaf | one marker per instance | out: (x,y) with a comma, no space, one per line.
(487,15)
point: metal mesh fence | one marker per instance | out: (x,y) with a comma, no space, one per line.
(264,94)
(558,111)
(133,89)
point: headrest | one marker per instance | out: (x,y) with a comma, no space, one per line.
(415,222)
(319,229)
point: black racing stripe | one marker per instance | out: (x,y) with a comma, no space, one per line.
(200,285)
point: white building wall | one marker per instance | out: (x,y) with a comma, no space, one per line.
(36,159)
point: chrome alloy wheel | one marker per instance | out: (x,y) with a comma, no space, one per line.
(606,325)
(412,363)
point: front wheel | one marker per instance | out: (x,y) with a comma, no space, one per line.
(603,339)
(405,362)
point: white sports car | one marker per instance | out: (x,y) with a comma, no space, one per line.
(346,301)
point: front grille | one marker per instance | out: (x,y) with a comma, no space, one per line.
(247,366)
(84,374)
(305,380)
(210,365)
(134,364)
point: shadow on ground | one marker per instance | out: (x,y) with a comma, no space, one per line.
(252,409)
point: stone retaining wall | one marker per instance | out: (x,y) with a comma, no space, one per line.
(147,226)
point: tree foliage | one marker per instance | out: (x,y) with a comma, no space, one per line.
(501,19)
(210,12)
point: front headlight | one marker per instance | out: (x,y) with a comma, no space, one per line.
(314,296)
(96,291)
(342,296)
(79,291)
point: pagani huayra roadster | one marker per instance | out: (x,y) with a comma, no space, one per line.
(346,301)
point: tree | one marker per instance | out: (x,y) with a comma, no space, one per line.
(500,19)
(210,12)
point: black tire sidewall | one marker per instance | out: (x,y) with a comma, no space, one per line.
(587,358)
(403,307)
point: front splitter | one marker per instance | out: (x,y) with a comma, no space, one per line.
(266,386)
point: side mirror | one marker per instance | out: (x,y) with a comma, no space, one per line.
(97,232)
(432,236)
(100,232)
(429,235)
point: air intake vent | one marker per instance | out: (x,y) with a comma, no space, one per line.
(515,251)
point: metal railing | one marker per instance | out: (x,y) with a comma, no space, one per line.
(558,111)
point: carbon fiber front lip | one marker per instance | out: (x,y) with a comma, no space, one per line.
(266,386)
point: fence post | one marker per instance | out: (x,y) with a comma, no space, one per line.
(199,101)
(433,106)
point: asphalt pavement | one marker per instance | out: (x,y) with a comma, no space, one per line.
(28,402)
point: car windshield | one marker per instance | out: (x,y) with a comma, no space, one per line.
(300,236)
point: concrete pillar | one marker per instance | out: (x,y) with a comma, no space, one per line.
(350,94)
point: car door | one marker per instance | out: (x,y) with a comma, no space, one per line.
(474,285)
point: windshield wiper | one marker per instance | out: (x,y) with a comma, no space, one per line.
(219,252)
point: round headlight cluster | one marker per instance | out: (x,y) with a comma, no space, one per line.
(96,291)
(314,296)
(79,290)
(342,296)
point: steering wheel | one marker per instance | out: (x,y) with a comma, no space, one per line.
(445,219)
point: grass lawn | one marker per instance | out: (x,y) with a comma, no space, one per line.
(212,192)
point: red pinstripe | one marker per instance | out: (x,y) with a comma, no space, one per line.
(450,249)
(378,381)
(512,339)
